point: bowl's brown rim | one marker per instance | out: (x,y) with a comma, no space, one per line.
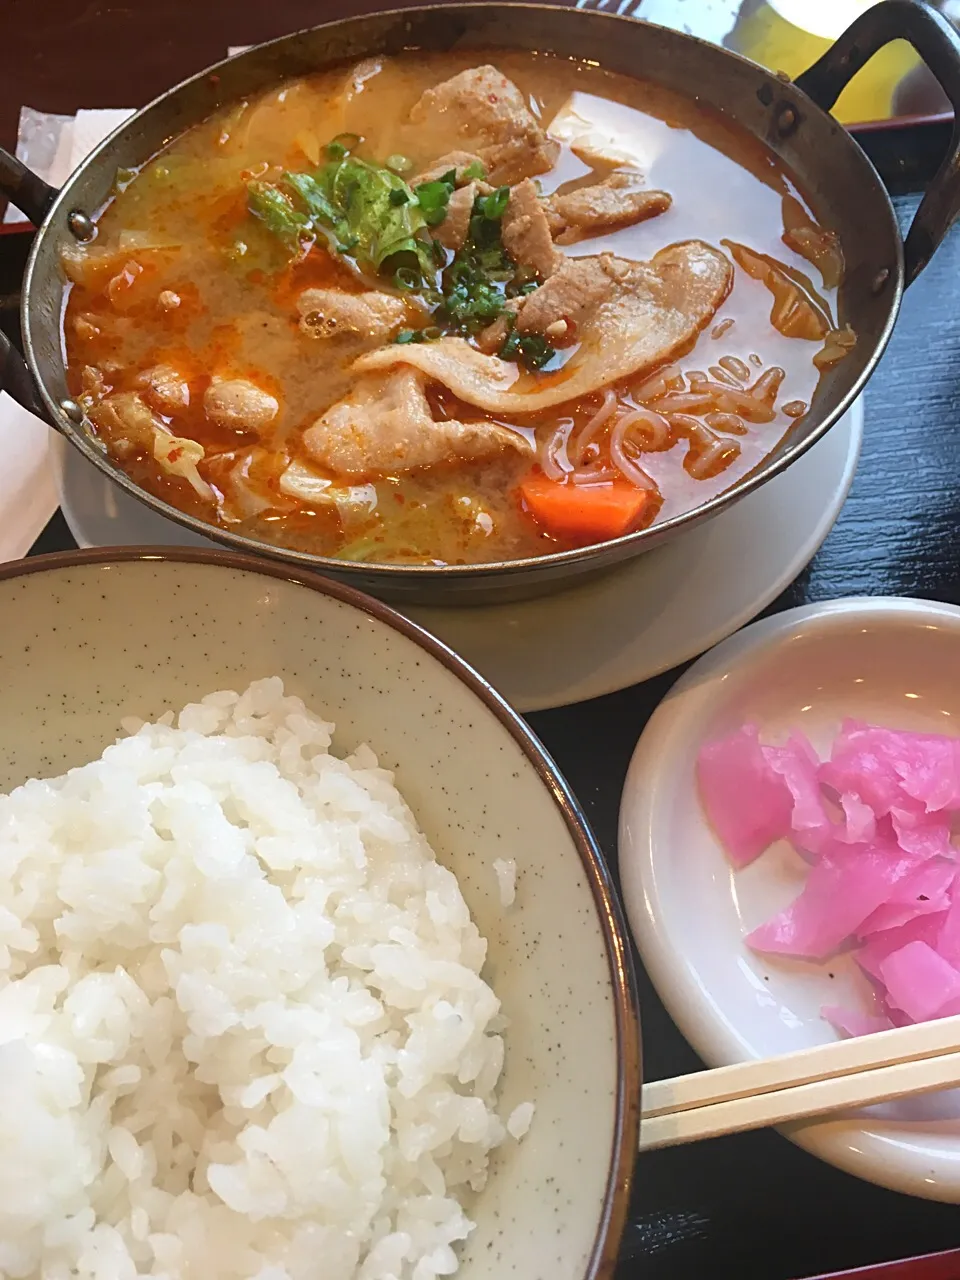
(613,1216)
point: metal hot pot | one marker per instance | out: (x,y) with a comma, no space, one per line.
(792,119)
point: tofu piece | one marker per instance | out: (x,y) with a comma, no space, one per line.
(602,132)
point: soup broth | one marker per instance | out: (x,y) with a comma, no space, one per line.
(247,353)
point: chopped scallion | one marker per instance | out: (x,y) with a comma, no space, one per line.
(406,278)
(433,197)
(493,206)
(342,145)
(527,348)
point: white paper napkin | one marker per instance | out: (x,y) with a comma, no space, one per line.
(28,496)
(53,146)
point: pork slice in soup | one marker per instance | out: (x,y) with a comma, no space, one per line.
(451,310)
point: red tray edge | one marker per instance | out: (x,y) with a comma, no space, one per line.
(930,1266)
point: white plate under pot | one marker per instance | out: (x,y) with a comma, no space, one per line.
(608,632)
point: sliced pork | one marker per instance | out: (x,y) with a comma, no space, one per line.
(630,316)
(526,231)
(453,230)
(240,405)
(165,389)
(604,206)
(385,425)
(484,113)
(334,313)
(492,338)
(458,161)
(574,292)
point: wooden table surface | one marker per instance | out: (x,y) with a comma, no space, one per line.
(752,1206)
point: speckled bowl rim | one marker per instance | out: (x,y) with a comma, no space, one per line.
(603,1256)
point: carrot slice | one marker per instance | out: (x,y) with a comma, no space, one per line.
(590,512)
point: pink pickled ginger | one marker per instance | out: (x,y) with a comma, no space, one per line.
(923,891)
(843,890)
(747,803)
(883,943)
(860,765)
(890,769)
(797,763)
(948,939)
(860,822)
(876,821)
(919,981)
(923,833)
(849,1022)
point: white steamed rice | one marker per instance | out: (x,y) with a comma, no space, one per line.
(242,1027)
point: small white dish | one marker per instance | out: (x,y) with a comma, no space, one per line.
(892,661)
(615,629)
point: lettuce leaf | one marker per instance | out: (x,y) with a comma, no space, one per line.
(277,212)
(370,215)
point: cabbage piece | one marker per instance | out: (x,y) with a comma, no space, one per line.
(747,803)
(605,133)
(127,416)
(129,241)
(845,887)
(180,457)
(798,310)
(248,498)
(354,502)
(277,212)
(919,981)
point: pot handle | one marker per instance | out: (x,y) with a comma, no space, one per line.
(25,189)
(938,44)
(16,381)
(34,197)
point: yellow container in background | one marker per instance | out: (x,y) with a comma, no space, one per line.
(790,35)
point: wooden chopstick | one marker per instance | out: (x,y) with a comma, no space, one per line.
(794,1086)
